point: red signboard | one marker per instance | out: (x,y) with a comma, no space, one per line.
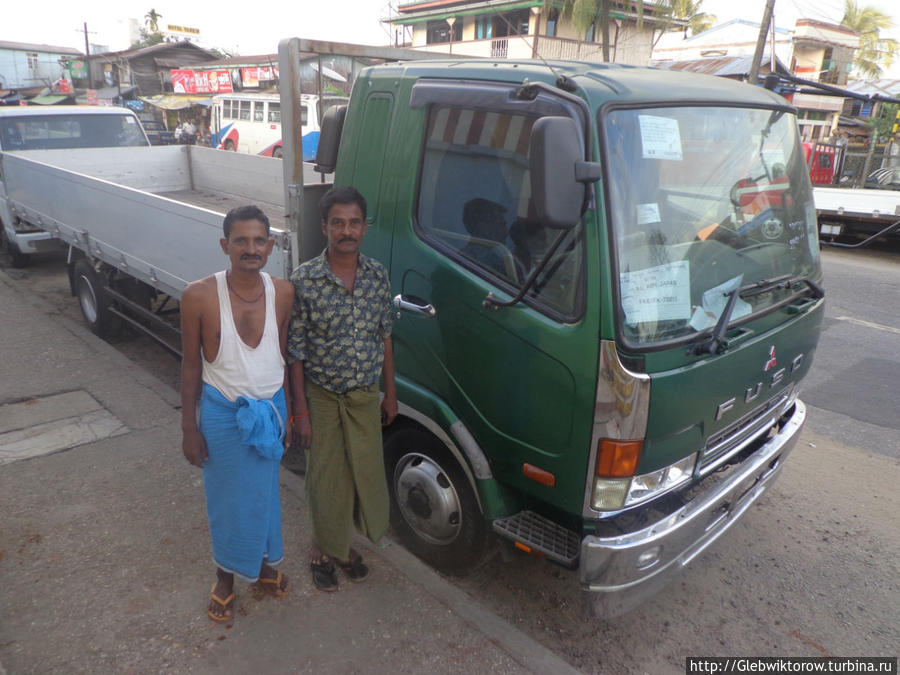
(250,77)
(91,95)
(201,81)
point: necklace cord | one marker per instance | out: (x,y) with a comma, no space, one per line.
(241,297)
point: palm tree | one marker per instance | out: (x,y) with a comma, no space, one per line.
(584,13)
(689,10)
(873,50)
(152,18)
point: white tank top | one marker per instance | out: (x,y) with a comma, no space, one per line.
(239,370)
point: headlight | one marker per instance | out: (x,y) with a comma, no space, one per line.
(611,494)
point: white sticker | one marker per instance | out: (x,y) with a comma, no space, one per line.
(130,120)
(647,213)
(660,137)
(714,302)
(660,293)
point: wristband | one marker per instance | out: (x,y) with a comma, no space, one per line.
(294,417)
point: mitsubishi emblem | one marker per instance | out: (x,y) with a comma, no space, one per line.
(772,362)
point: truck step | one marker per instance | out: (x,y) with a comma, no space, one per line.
(541,535)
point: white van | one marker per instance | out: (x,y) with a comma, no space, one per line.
(55,128)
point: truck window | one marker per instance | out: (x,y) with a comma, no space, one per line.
(474,206)
(70,131)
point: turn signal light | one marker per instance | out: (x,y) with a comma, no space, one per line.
(538,475)
(618,459)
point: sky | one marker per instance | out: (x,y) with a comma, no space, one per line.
(255,30)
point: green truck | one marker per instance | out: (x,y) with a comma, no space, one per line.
(608,291)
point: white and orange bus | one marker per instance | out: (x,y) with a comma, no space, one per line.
(251,123)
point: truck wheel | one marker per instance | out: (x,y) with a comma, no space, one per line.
(93,301)
(13,252)
(433,506)
(229,145)
(277,152)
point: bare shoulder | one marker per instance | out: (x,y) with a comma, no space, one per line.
(199,293)
(284,289)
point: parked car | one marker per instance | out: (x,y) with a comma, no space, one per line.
(157,133)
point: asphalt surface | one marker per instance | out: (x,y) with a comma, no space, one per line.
(105,562)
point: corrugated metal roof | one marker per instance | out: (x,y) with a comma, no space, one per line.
(29,47)
(721,66)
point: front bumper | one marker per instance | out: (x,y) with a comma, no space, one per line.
(627,569)
(36,242)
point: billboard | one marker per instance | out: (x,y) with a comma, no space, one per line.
(201,81)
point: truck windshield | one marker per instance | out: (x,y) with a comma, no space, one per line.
(704,200)
(52,131)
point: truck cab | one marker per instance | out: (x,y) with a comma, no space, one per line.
(607,284)
(56,128)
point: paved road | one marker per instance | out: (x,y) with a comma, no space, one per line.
(813,569)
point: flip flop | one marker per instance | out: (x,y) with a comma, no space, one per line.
(354,568)
(324,575)
(272,585)
(224,604)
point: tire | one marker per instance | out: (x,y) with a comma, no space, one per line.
(434,510)
(229,145)
(93,300)
(277,153)
(13,252)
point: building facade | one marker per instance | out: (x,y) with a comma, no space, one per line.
(29,66)
(524,29)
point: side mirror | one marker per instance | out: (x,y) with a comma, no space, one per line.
(554,151)
(330,138)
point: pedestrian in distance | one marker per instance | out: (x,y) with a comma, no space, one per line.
(339,344)
(234,330)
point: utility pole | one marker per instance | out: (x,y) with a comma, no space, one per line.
(761,41)
(87,49)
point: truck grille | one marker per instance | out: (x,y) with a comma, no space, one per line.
(734,438)
(542,535)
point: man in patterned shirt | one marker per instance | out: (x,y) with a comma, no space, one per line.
(339,342)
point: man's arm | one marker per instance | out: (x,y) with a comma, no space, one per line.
(284,302)
(389,402)
(192,444)
(300,414)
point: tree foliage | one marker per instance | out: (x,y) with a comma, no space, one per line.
(584,13)
(150,34)
(874,50)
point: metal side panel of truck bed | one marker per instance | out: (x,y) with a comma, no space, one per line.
(153,213)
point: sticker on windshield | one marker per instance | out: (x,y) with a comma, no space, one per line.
(714,301)
(647,213)
(660,293)
(660,137)
(129,120)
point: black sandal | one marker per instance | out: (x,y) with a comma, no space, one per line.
(354,568)
(324,575)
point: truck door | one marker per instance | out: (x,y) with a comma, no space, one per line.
(521,378)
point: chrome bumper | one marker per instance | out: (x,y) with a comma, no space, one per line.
(627,569)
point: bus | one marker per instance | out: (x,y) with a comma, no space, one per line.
(251,123)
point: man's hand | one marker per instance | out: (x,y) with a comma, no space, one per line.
(194,447)
(388,409)
(288,436)
(303,431)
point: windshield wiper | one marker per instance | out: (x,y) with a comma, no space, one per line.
(716,344)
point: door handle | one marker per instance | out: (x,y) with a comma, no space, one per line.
(415,305)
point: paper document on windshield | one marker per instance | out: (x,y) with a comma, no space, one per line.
(714,301)
(661,293)
(660,137)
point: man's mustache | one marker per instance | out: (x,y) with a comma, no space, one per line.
(341,241)
(249,256)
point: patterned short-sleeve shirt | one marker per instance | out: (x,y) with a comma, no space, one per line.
(339,335)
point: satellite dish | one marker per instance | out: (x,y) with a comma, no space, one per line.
(328,72)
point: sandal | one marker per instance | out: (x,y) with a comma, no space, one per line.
(224,604)
(354,568)
(272,585)
(324,575)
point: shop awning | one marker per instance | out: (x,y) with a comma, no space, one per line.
(177,101)
(50,99)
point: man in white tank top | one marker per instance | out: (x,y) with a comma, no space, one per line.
(234,329)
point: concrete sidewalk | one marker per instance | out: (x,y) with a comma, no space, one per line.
(104,551)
